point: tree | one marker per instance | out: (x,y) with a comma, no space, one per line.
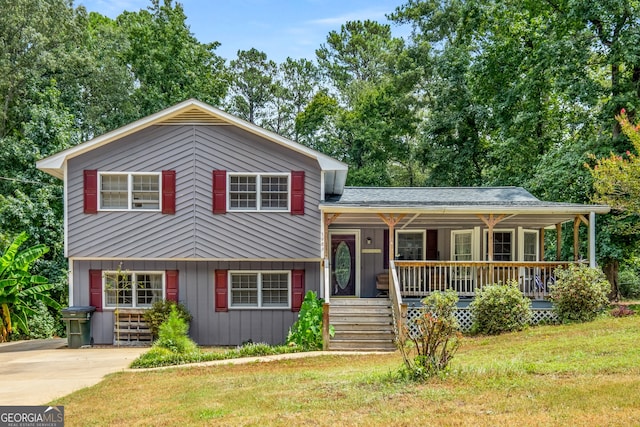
(295,84)
(373,117)
(452,144)
(168,62)
(20,291)
(616,179)
(252,85)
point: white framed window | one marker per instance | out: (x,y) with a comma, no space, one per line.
(259,289)
(410,244)
(529,245)
(259,192)
(138,289)
(503,245)
(462,245)
(129,191)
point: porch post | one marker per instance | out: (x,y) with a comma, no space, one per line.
(592,239)
(391,222)
(327,220)
(490,223)
(541,243)
(326,337)
(558,241)
(576,242)
(576,235)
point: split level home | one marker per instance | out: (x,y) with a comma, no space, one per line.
(192,204)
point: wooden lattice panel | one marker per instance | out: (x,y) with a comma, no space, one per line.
(130,328)
(465,318)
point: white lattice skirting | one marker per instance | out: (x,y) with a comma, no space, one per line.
(465,318)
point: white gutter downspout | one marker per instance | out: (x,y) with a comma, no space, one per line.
(592,239)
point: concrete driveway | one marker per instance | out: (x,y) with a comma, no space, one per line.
(38,371)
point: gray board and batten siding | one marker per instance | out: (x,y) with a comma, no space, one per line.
(193,232)
(197,291)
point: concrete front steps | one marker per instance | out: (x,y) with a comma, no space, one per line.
(361,324)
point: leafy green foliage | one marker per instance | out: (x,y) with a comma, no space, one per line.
(42,324)
(616,177)
(580,293)
(500,308)
(174,334)
(160,311)
(21,291)
(158,356)
(306,332)
(629,284)
(170,65)
(252,86)
(433,337)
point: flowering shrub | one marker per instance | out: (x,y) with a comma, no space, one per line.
(500,308)
(580,293)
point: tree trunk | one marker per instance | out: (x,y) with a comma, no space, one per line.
(610,270)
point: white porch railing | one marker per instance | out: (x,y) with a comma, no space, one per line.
(418,278)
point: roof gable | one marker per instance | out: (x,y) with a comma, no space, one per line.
(197,113)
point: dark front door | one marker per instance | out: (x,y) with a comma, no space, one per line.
(343,265)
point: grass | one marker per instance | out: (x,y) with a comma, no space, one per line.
(578,375)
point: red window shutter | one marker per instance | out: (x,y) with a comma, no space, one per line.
(219,192)
(297,192)
(172,285)
(168,192)
(297,289)
(90,191)
(222,290)
(95,289)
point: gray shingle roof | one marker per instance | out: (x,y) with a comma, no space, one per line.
(436,196)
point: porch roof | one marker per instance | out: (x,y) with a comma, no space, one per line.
(452,206)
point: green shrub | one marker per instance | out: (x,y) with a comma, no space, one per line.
(41,323)
(173,334)
(629,284)
(580,293)
(500,308)
(159,313)
(306,332)
(160,356)
(432,337)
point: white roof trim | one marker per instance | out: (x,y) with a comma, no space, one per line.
(469,209)
(54,164)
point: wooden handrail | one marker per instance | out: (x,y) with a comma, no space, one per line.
(396,301)
(327,281)
(325,307)
(526,264)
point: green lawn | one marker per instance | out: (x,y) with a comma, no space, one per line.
(577,375)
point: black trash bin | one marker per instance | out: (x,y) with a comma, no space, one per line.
(78,320)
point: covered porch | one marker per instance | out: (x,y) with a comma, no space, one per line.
(401,244)
(428,239)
